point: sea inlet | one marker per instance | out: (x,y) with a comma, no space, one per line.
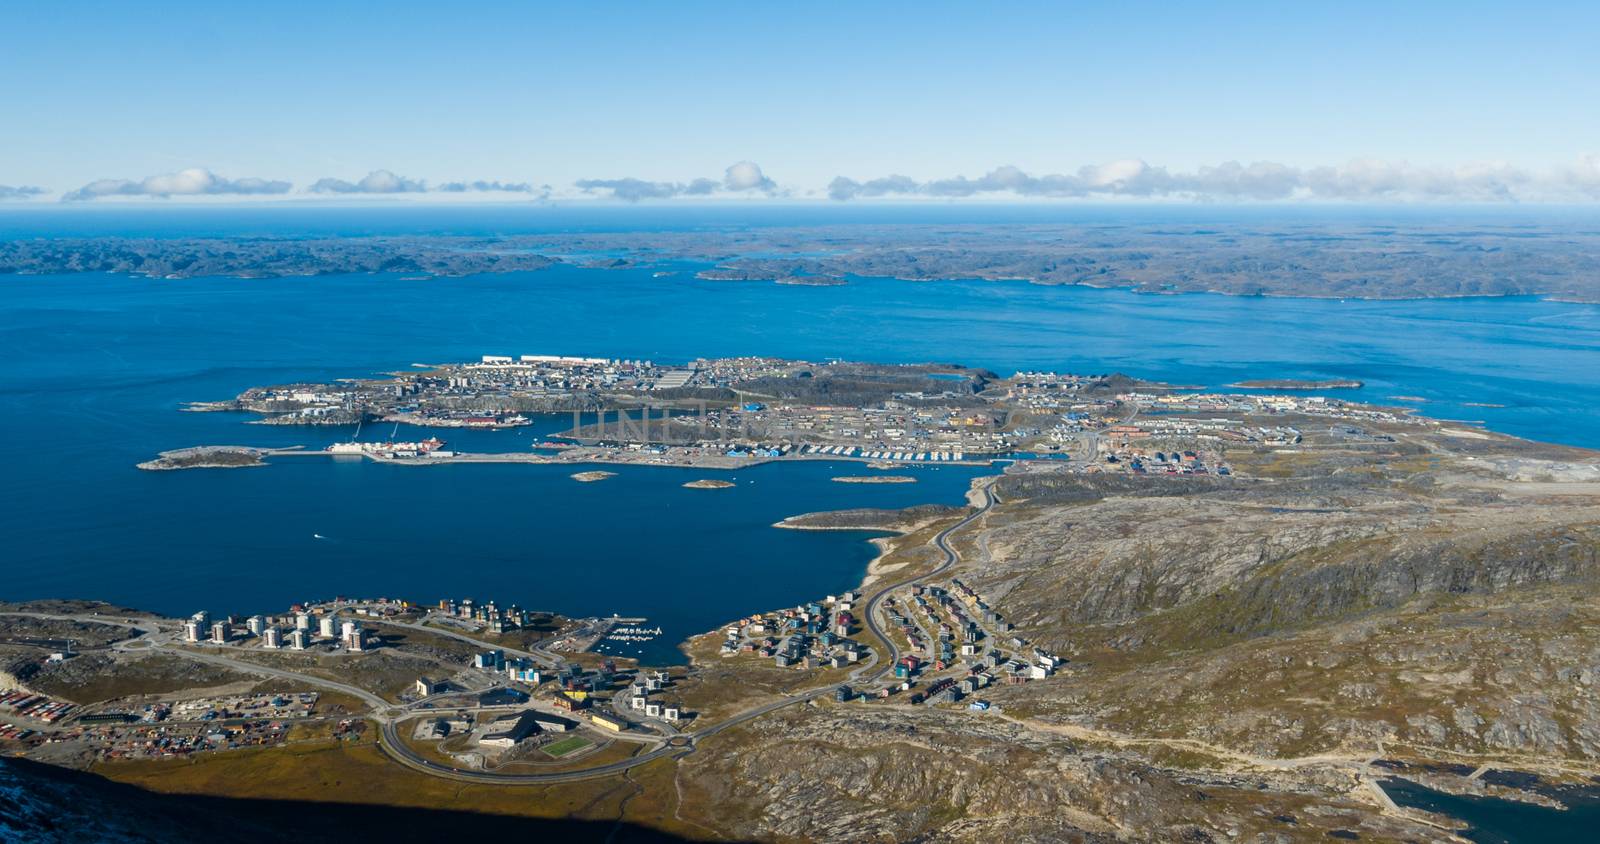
(98,365)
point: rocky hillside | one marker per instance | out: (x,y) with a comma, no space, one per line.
(43,804)
(1177,559)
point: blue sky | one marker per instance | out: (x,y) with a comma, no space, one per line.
(1450,100)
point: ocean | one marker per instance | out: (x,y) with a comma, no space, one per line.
(97,367)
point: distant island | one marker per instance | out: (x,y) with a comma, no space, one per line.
(708,484)
(1294,384)
(1329,260)
(591,477)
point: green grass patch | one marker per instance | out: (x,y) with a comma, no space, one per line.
(567,746)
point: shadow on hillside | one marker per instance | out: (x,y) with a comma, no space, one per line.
(57,804)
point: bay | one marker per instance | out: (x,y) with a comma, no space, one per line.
(97,367)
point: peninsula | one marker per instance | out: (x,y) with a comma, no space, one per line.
(205,457)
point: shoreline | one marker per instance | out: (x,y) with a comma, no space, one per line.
(1296,384)
(204,457)
(875,568)
(1133,288)
(897,529)
(897,522)
(709,462)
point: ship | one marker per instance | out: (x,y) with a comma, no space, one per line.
(389,449)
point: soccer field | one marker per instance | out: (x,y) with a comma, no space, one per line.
(567,746)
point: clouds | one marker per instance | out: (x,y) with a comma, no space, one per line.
(19,192)
(378,181)
(1128,177)
(1360,180)
(386,182)
(741,177)
(747,176)
(195,181)
(483,186)
(198,181)
(633,190)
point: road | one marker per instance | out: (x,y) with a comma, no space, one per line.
(400,752)
(388,716)
(684,744)
(380,706)
(942,542)
(545,659)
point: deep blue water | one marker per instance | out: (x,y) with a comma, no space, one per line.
(1495,821)
(324,218)
(96,367)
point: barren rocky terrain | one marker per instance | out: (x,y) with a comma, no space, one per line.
(1247,655)
(1283,258)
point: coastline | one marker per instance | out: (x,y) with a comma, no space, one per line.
(898,523)
(1136,288)
(907,524)
(205,457)
(709,462)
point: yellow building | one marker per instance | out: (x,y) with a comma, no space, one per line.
(615,725)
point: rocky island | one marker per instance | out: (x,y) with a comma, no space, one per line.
(205,457)
(592,476)
(708,484)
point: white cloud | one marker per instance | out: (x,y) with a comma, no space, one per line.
(633,190)
(842,188)
(494,186)
(1360,180)
(740,177)
(747,175)
(386,182)
(378,181)
(19,192)
(195,181)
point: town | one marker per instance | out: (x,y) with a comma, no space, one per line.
(735,412)
(519,690)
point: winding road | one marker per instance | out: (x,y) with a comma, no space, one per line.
(389,716)
(684,744)
(942,542)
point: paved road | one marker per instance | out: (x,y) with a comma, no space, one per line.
(389,715)
(379,705)
(399,751)
(684,744)
(942,542)
(544,658)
